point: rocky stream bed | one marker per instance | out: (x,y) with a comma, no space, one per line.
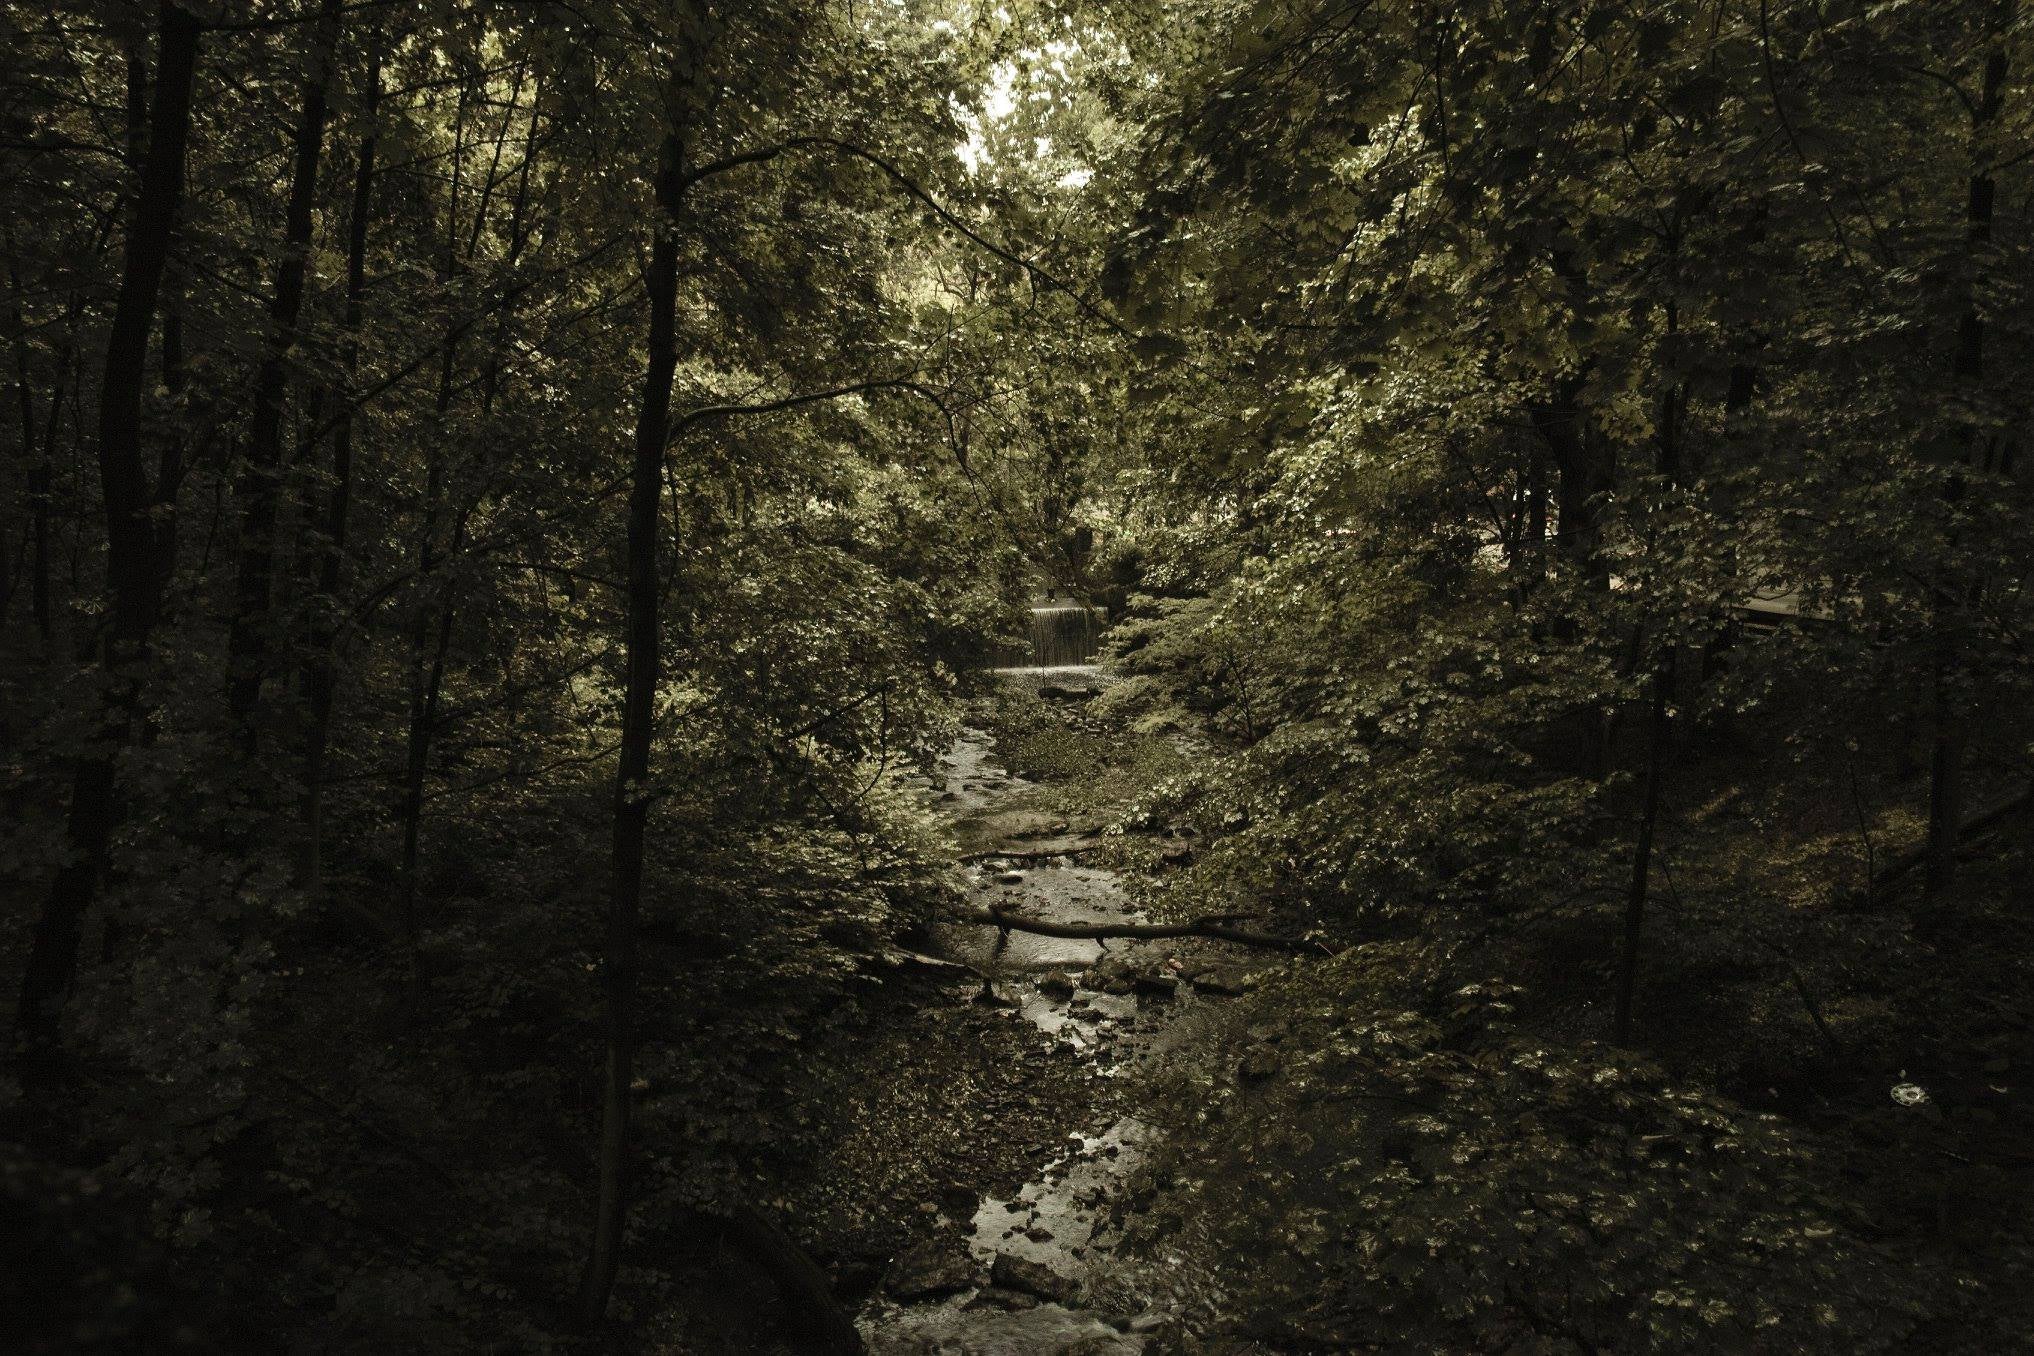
(1036,1272)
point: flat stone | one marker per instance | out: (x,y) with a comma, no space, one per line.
(1227,981)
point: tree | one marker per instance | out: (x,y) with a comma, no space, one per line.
(134,579)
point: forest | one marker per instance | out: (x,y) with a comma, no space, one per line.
(1038,678)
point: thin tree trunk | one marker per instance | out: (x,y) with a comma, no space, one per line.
(170,467)
(133,580)
(1952,702)
(39,453)
(40,475)
(25,397)
(518,238)
(1669,451)
(320,675)
(417,743)
(1642,852)
(632,796)
(260,483)
(428,695)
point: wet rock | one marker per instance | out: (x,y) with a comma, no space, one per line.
(998,1297)
(1111,974)
(1009,878)
(1033,1278)
(1154,982)
(930,1270)
(1227,981)
(1102,1344)
(957,1200)
(1057,985)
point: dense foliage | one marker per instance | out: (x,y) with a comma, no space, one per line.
(497,496)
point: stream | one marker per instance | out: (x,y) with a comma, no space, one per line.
(1040,1275)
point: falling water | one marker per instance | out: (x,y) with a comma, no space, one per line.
(1063,635)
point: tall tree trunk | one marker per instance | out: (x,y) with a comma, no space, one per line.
(423,696)
(1581,482)
(1948,679)
(1669,448)
(321,672)
(632,771)
(133,580)
(260,481)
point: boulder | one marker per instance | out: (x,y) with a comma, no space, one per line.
(1154,982)
(1260,1063)
(1111,974)
(958,1200)
(1033,1278)
(930,1270)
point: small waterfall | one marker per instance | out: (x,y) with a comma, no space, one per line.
(1063,635)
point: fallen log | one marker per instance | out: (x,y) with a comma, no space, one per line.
(1212,928)
(811,1310)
